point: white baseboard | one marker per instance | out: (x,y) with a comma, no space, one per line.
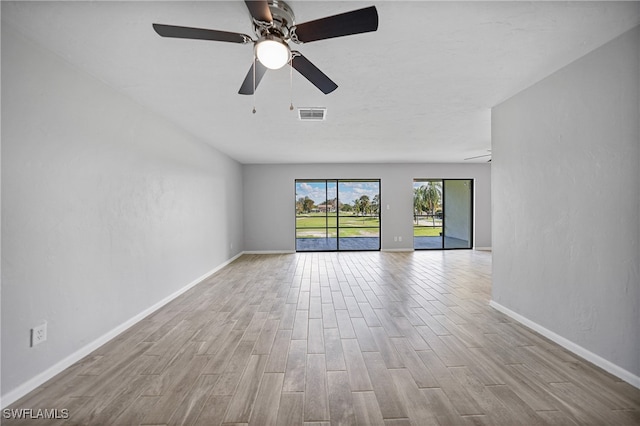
(31,384)
(269,252)
(606,365)
(482,248)
(398,249)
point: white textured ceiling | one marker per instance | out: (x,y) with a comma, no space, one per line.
(420,89)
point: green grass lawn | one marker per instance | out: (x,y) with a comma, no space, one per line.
(319,220)
(314,221)
(421,231)
(314,225)
(344,232)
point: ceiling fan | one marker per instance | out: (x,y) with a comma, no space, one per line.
(274,26)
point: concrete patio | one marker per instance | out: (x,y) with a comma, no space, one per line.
(373,243)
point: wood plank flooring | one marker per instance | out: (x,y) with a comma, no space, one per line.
(357,338)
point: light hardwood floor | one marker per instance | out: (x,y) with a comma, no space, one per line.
(367,338)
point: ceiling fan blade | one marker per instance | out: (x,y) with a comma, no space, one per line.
(259,9)
(312,73)
(478,156)
(200,34)
(247,85)
(344,24)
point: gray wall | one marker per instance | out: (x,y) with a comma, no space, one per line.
(106,209)
(269,198)
(566,204)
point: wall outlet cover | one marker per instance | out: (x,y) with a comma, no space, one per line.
(38,334)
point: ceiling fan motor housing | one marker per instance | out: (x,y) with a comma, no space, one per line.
(283,20)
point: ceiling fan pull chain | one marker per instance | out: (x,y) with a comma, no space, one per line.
(291,84)
(253,97)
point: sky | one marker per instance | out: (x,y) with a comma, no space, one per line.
(348,190)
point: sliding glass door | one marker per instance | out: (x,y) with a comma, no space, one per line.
(316,215)
(337,214)
(427,214)
(359,215)
(458,213)
(442,214)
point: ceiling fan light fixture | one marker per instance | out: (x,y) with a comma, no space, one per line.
(272,52)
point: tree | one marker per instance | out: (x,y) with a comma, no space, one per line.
(432,197)
(299,205)
(365,205)
(418,202)
(375,205)
(427,198)
(362,205)
(304,205)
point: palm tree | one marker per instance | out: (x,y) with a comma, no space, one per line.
(375,205)
(427,198)
(365,205)
(419,195)
(432,197)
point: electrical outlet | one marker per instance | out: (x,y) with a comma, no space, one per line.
(38,334)
(400,239)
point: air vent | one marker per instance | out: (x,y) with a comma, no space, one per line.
(312,114)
